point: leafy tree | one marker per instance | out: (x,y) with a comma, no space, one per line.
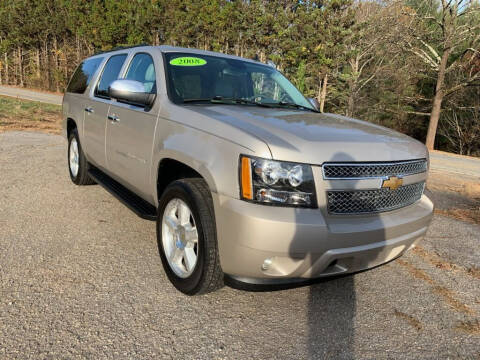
(448,30)
(406,64)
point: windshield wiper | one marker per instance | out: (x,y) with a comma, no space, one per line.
(232,100)
(290,104)
(197,100)
(227,100)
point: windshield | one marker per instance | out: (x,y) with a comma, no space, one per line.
(200,78)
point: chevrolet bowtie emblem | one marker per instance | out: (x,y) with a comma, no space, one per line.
(393,183)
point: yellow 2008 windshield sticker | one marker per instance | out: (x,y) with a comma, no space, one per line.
(188,61)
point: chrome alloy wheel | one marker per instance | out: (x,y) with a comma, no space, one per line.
(180,238)
(73,157)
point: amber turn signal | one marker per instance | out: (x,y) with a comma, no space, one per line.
(246,179)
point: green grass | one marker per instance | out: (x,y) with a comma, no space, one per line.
(18,114)
(10,106)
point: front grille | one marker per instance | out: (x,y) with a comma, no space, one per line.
(373,201)
(369,170)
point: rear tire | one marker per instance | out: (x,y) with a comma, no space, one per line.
(187,237)
(77,163)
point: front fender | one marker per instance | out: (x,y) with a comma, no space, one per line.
(214,158)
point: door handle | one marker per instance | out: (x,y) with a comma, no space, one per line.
(89,110)
(113,118)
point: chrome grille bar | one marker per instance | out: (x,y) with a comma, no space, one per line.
(371,170)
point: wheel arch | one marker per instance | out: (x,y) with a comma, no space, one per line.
(71,124)
(174,167)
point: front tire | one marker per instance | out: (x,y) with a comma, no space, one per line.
(77,163)
(187,238)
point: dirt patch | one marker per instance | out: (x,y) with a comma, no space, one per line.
(448,295)
(472,190)
(468,215)
(474,271)
(413,322)
(434,259)
(443,264)
(460,205)
(469,327)
(467,186)
(24,115)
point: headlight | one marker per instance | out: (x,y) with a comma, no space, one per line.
(277,182)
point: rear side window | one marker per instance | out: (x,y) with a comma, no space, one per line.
(82,76)
(109,75)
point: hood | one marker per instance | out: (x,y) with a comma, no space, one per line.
(314,138)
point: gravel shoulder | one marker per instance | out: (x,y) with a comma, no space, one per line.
(80,277)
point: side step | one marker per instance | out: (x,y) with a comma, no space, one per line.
(135,203)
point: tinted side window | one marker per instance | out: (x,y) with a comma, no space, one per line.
(82,76)
(142,69)
(109,75)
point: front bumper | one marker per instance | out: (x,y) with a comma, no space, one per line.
(309,243)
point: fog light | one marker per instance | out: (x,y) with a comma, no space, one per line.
(266,264)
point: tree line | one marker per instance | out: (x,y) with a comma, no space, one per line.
(413,65)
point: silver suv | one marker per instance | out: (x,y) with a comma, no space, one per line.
(245,178)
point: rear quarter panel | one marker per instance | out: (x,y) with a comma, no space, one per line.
(72,108)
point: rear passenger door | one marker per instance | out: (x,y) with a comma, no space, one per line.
(76,98)
(96,111)
(130,136)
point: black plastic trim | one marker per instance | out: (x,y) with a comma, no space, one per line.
(142,208)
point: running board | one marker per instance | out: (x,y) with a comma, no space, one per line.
(135,203)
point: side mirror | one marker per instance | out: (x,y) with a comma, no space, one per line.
(315,103)
(130,91)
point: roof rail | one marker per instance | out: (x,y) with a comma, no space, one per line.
(120,48)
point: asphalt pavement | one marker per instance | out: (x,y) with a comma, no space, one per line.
(80,277)
(455,165)
(34,95)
